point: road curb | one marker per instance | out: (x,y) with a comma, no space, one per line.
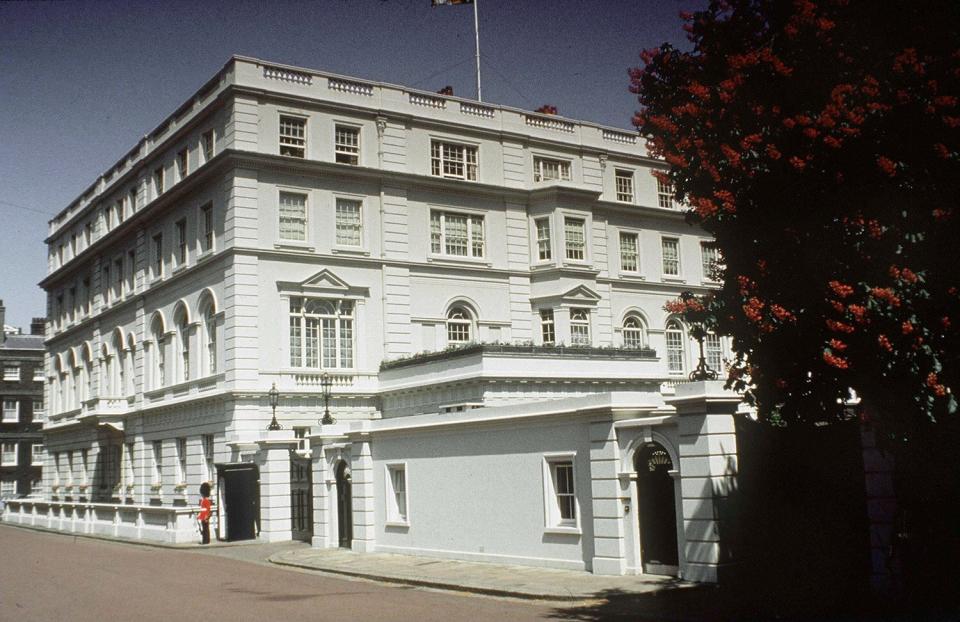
(439,585)
(147,543)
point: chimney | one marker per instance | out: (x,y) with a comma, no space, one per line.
(38,326)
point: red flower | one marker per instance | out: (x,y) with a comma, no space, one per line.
(797,163)
(887,294)
(884,343)
(839,327)
(906,328)
(835,361)
(840,289)
(887,165)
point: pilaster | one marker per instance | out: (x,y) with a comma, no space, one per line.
(274,461)
(608,545)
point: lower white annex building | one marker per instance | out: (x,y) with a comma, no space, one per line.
(472,293)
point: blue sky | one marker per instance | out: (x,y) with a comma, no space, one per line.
(81,82)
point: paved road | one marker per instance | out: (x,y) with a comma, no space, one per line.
(46,576)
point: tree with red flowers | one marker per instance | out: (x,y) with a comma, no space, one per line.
(818,143)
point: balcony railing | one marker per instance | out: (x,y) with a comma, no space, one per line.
(503,349)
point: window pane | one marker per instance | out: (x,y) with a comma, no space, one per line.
(455,233)
(348,222)
(543,238)
(628,252)
(671,256)
(574,238)
(293,216)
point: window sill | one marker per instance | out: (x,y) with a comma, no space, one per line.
(632,276)
(454,260)
(205,255)
(397,524)
(350,250)
(291,245)
(673,279)
(180,268)
(564,531)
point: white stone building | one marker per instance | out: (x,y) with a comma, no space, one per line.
(482,286)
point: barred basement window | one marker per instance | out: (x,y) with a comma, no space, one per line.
(624,183)
(543,238)
(321,333)
(452,160)
(348,223)
(629,252)
(293,216)
(545,169)
(347,145)
(575,240)
(293,137)
(457,235)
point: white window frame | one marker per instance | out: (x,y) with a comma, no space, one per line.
(207,443)
(7,416)
(37,450)
(182,254)
(4,461)
(346,152)
(665,195)
(625,256)
(181,448)
(678,348)
(300,344)
(664,240)
(440,234)
(12,491)
(206,234)
(554,522)
(291,218)
(183,164)
(576,338)
(623,185)
(38,375)
(208,145)
(567,248)
(158,182)
(713,351)
(156,462)
(11,373)
(295,146)
(445,159)
(157,260)
(543,243)
(548,324)
(349,229)
(634,328)
(543,169)
(397,507)
(465,324)
(708,264)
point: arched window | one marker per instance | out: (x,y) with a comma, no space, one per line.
(131,386)
(183,345)
(158,357)
(74,371)
(209,330)
(120,373)
(87,372)
(321,333)
(713,352)
(634,334)
(106,371)
(459,326)
(674,338)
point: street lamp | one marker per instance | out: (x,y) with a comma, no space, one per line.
(274,396)
(325,383)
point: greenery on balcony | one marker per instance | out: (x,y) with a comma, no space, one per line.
(522,350)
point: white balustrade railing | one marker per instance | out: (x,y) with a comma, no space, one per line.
(549,123)
(348,86)
(419,99)
(475,110)
(287,75)
(620,137)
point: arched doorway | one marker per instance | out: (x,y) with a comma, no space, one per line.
(344,505)
(658,517)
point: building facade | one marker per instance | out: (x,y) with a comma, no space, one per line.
(472,294)
(21,393)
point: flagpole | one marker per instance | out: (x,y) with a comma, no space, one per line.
(476,32)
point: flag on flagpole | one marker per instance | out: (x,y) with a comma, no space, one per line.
(450,2)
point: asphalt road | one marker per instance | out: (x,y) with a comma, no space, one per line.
(47,576)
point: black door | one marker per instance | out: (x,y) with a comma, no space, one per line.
(658,518)
(301,498)
(240,491)
(344,505)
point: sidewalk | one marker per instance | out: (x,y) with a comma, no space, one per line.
(482,578)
